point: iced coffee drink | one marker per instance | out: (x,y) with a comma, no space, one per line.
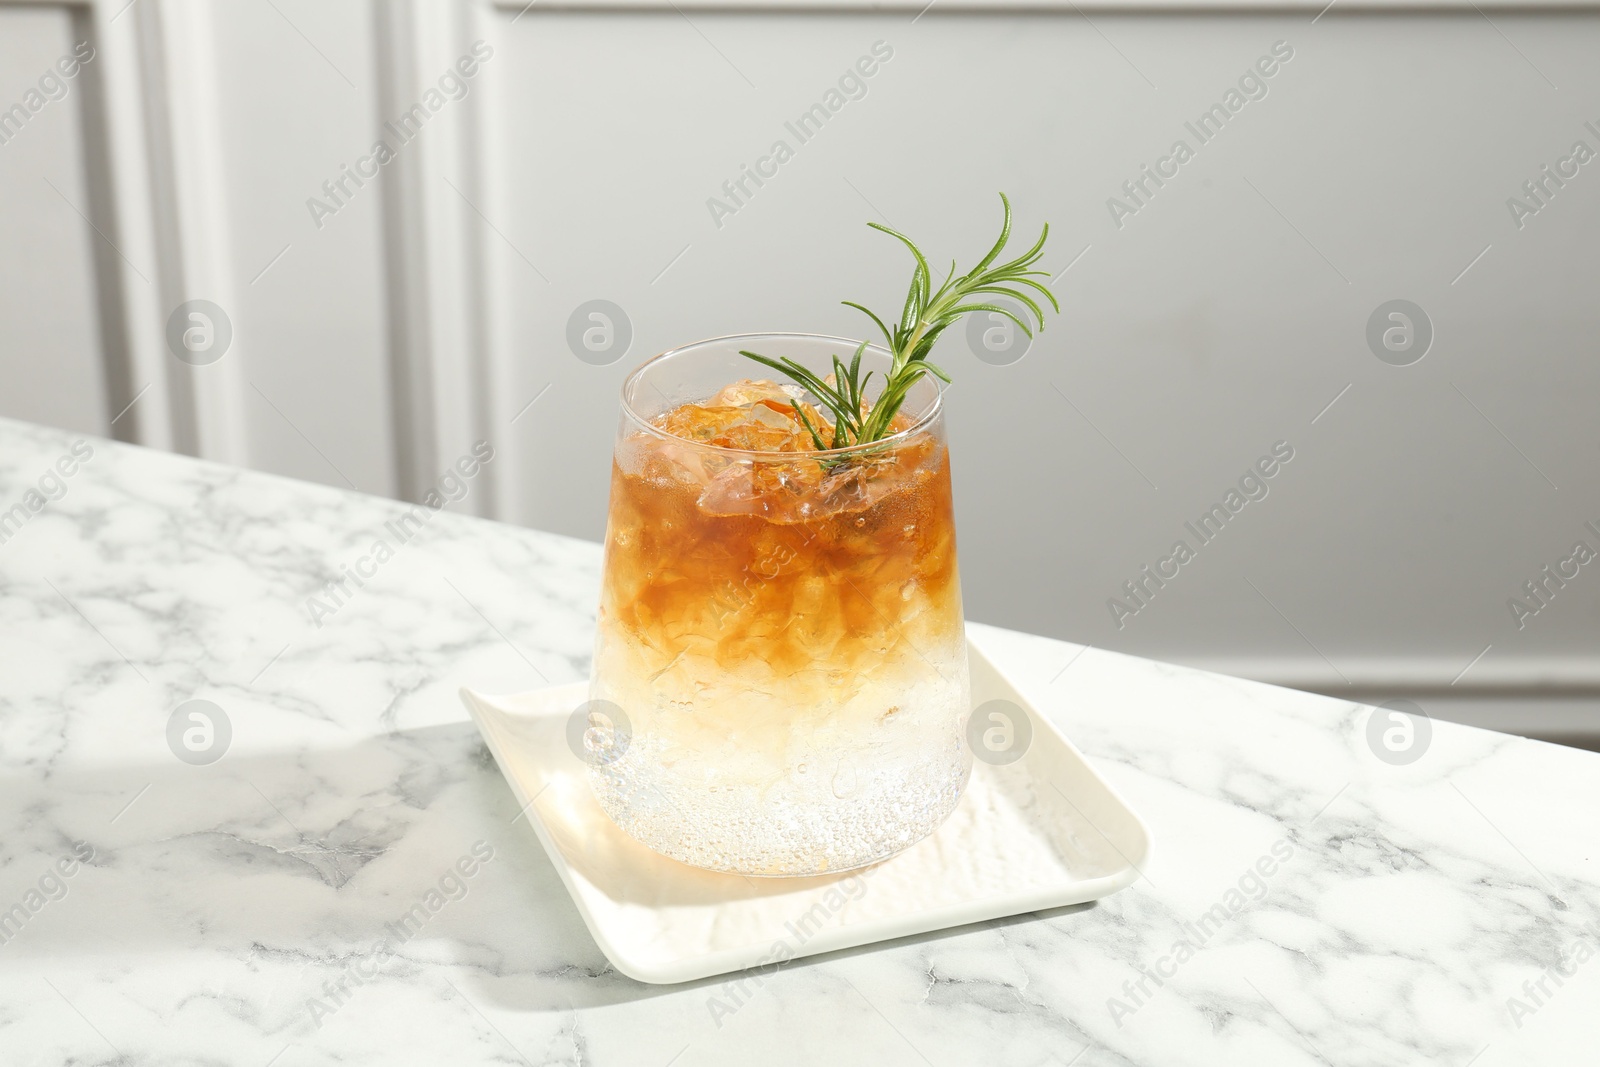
(780,626)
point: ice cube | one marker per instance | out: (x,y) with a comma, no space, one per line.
(771,490)
(749,391)
(772,413)
(754,437)
(700,422)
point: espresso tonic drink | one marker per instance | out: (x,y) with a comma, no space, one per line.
(780,632)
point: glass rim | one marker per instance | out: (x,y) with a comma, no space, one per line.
(631,382)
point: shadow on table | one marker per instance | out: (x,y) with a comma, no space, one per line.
(307,863)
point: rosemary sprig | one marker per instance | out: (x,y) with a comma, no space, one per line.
(927,314)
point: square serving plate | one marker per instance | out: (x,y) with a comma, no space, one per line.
(1041,832)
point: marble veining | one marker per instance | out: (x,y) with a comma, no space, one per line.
(302,900)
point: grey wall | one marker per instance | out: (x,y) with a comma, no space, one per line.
(1220,318)
(51,355)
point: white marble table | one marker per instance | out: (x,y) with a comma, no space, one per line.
(235,912)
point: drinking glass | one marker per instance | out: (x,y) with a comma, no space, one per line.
(780,631)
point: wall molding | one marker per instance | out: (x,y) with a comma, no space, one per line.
(116,177)
(1013,7)
(189,208)
(1553,698)
(437,276)
(1543,677)
(498,264)
(158,196)
(158,192)
(128,294)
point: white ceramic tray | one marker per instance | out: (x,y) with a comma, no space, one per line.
(1040,832)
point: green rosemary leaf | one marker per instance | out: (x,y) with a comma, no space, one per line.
(929,338)
(842,377)
(926,314)
(802,376)
(997,310)
(887,336)
(816,438)
(999,245)
(1037,250)
(889,403)
(1020,297)
(1048,295)
(917,298)
(767,360)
